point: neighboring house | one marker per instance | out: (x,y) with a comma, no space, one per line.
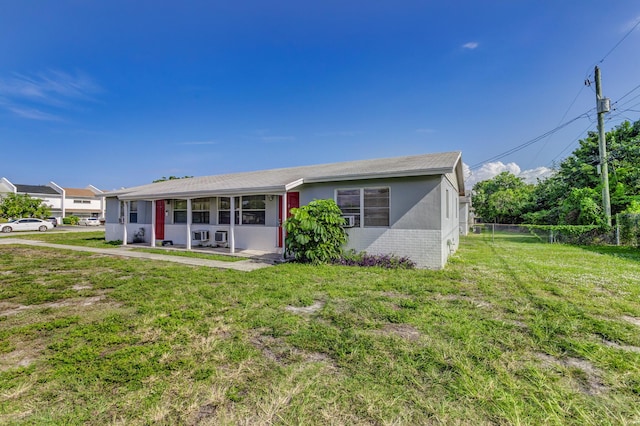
(465,213)
(84,202)
(50,194)
(408,206)
(63,202)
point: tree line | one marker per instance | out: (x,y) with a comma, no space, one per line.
(573,194)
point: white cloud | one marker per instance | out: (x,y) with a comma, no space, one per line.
(630,25)
(32,113)
(490,170)
(26,95)
(532,175)
(471,45)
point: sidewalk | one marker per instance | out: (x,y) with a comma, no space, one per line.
(243,265)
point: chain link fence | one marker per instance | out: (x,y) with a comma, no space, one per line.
(626,232)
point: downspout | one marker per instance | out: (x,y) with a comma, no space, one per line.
(153,223)
(125,221)
(285,213)
(232,226)
(189,223)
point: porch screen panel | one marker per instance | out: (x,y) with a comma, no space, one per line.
(349,202)
(376,206)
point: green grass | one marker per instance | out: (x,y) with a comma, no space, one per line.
(96,239)
(194,254)
(511,332)
(86,239)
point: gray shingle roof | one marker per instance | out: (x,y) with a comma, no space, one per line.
(279,180)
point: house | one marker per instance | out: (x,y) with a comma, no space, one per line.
(84,202)
(466,215)
(408,206)
(63,202)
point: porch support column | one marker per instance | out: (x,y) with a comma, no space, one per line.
(153,223)
(125,221)
(282,230)
(189,223)
(232,226)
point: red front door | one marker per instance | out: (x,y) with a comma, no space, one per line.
(293,201)
(160,220)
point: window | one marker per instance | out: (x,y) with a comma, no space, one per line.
(133,212)
(224,210)
(370,203)
(349,202)
(251,208)
(200,210)
(179,211)
(376,207)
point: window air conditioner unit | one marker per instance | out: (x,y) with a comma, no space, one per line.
(201,235)
(220,237)
(349,221)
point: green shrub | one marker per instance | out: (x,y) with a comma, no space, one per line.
(70,220)
(387,261)
(315,232)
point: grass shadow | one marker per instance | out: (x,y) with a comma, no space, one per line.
(623,252)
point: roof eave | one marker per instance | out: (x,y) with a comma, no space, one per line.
(386,175)
(200,194)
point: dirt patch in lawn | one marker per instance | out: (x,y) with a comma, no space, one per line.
(632,320)
(405,331)
(276,349)
(7,309)
(589,381)
(306,310)
(23,357)
(622,347)
(475,302)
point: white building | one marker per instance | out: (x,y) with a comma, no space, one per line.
(63,202)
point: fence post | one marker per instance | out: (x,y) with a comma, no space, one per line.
(617,229)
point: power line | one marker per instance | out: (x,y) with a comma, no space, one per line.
(530,142)
(589,127)
(620,42)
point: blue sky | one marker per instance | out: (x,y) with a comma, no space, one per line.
(119,93)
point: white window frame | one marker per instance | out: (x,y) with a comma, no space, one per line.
(362,209)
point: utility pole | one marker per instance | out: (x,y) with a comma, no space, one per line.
(603,107)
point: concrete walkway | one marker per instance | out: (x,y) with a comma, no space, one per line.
(242,265)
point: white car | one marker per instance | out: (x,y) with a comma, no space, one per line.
(26,224)
(89,221)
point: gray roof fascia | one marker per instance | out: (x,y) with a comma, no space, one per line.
(294,184)
(143,195)
(383,175)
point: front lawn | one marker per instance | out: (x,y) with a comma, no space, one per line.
(511,332)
